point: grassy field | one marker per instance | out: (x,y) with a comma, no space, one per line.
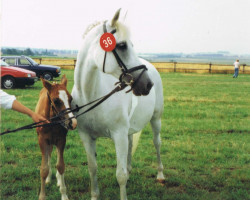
(205,147)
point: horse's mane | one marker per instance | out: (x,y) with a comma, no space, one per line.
(90,27)
(122,28)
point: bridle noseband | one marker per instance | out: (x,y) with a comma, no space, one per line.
(126,76)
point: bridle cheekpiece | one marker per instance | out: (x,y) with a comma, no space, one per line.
(126,76)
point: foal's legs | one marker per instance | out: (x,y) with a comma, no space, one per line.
(60,168)
(156,127)
(48,179)
(121,146)
(90,148)
(44,170)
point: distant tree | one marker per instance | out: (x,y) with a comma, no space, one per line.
(28,52)
(11,51)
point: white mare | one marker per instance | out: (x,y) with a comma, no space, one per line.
(123,114)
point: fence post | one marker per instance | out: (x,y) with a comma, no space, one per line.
(244,65)
(175,66)
(74,63)
(40,60)
(210,68)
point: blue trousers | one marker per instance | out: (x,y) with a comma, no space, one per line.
(236,72)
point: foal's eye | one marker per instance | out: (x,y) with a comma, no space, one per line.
(122,45)
(57,102)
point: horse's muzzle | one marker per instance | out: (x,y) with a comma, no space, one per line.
(72,124)
(142,89)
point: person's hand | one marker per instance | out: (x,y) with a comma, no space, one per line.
(37,118)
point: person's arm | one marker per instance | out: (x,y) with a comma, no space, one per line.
(17,106)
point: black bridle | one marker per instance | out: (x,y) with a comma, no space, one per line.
(126,73)
(59,116)
(59,119)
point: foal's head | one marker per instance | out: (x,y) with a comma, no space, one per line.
(60,99)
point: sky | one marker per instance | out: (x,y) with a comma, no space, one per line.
(156,26)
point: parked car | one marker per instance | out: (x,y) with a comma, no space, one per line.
(12,77)
(48,72)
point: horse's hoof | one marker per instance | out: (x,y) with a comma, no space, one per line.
(48,180)
(161,180)
(65,197)
(160,177)
(42,198)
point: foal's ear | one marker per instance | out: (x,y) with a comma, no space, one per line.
(64,80)
(115,18)
(46,84)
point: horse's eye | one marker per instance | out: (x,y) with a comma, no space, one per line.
(57,102)
(122,45)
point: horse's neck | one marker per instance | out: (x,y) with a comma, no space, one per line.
(87,76)
(43,106)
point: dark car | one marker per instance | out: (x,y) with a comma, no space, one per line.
(12,77)
(48,72)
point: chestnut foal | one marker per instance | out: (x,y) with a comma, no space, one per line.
(53,99)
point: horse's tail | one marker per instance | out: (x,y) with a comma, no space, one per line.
(136,138)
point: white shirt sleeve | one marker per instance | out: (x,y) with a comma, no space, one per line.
(6,100)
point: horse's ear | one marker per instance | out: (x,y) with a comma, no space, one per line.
(124,18)
(115,18)
(46,84)
(64,80)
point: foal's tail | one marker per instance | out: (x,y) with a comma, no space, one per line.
(136,138)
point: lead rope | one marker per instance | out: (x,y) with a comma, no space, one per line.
(120,87)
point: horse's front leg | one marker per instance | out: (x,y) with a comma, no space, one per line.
(90,148)
(44,170)
(48,179)
(121,146)
(61,168)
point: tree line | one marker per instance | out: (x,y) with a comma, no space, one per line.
(25,52)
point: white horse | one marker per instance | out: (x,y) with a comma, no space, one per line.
(123,114)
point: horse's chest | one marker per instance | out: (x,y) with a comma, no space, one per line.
(53,136)
(96,125)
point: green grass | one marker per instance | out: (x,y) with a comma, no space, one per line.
(205,147)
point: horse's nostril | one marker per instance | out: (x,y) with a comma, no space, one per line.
(149,85)
(70,125)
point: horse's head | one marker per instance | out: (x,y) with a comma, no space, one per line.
(60,99)
(121,62)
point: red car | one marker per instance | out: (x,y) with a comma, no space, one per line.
(16,77)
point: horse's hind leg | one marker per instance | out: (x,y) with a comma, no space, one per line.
(44,170)
(156,127)
(130,145)
(48,179)
(60,168)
